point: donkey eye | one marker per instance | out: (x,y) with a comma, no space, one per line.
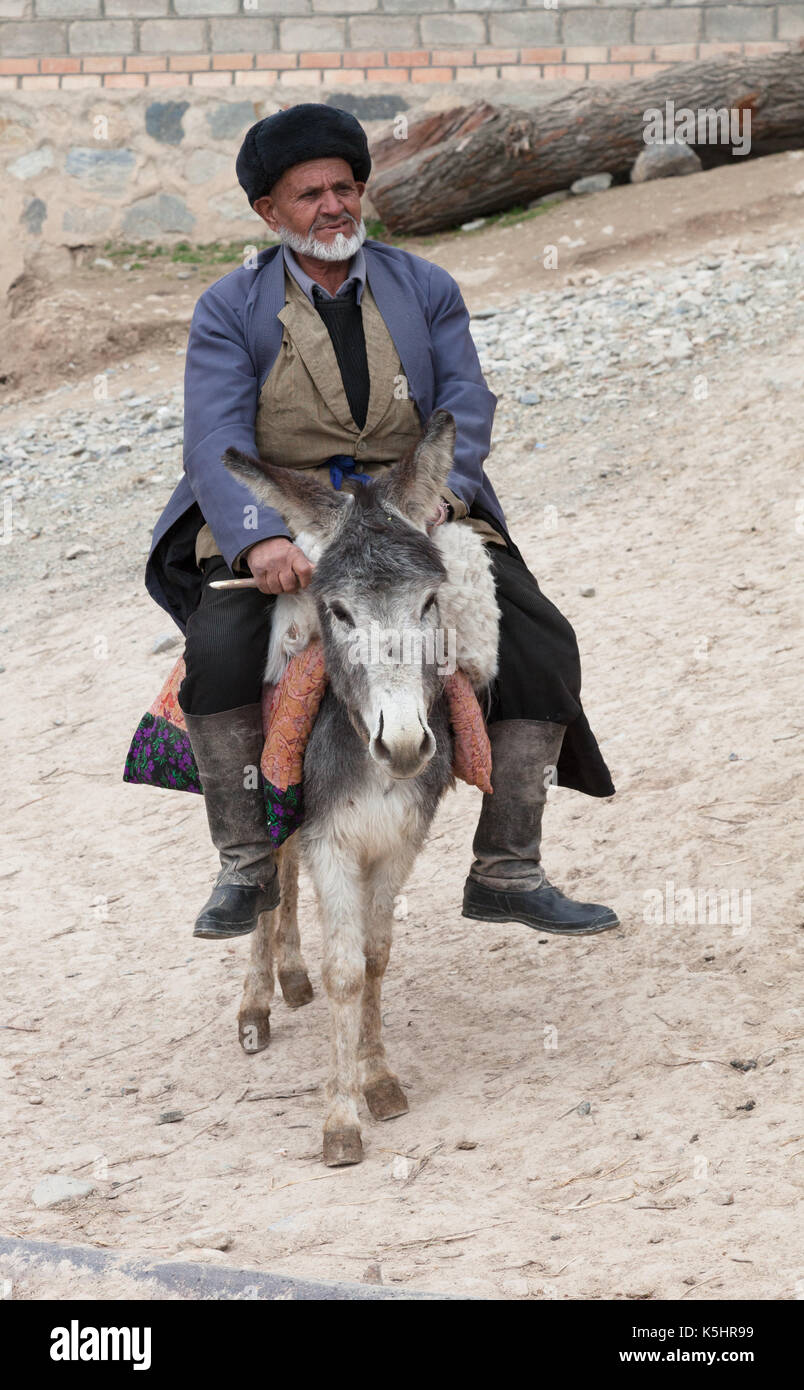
(338,611)
(428,604)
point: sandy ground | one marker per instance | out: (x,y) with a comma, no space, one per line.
(577,1126)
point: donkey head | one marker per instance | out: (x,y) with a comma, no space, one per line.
(375,587)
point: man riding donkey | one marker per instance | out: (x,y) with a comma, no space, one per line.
(330,352)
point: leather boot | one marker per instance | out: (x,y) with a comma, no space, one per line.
(226,746)
(506,882)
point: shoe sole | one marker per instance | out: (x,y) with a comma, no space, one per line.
(544,926)
(211,935)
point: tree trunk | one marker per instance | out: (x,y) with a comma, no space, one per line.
(483,159)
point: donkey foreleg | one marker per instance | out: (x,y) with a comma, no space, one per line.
(338,885)
(293,978)
(384,1095)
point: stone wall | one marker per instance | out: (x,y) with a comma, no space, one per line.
(127,44)
(127,167)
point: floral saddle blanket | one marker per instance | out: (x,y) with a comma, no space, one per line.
(161,756)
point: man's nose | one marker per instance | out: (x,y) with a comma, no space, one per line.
(331,205)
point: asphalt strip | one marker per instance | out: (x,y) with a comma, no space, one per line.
(198,1281)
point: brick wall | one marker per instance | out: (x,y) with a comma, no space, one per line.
(48,44)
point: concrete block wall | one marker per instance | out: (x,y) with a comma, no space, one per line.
(318,44)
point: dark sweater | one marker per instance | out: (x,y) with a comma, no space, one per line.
(344,319)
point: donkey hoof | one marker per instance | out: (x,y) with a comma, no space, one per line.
(296,988)
(254,1031)
(342,1146)
(386,1099)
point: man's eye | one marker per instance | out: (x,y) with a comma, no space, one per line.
(338,611)
(428,605)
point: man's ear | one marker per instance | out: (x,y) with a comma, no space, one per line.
(414,484)
(305,503)
(264,208)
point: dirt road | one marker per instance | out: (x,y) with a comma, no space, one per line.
(612,1117)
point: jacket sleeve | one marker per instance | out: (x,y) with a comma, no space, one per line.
(460,388)
(220,410)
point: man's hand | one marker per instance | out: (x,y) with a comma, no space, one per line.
(279,566)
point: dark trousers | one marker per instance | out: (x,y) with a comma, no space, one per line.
(539,664)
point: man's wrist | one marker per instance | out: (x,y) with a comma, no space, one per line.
(242,557)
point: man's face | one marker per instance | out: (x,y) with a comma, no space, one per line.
(315,204)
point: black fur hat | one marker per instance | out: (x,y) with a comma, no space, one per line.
(310,130)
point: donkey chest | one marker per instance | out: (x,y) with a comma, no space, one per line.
(374,817)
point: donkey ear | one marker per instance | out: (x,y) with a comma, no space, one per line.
(416,482)
(305,503)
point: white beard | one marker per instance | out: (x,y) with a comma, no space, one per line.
(341,248)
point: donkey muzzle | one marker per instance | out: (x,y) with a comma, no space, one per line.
(402,742)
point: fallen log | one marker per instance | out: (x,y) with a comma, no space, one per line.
(482,159)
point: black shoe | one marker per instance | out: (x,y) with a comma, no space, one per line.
(234,909)
(543,908)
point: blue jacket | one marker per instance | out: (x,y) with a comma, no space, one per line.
(235,337)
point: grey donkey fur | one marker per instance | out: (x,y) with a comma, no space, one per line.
(377,762)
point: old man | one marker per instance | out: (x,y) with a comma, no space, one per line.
(329,351)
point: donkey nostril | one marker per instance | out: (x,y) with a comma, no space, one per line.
(379,748)
(424,746)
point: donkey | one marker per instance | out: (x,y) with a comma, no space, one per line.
(377,762)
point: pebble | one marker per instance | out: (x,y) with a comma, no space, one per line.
(587,592)
(170,1117)
(211,1238)
(665,160)
(558,197)
(679,347)
(54,1190)
(592,183)
(166,643)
